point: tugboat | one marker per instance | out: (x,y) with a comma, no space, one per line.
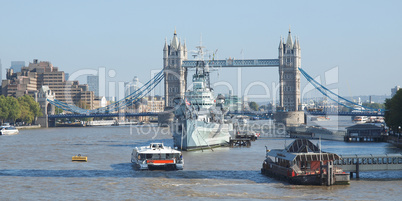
(303,163)
(157,156)
(199,117)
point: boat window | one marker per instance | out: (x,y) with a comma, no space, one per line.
(384,161)
(389,160)
(395,161)
(379,160)
(400,160)
(374,160)
(364,160)
(149,156)
(370,160)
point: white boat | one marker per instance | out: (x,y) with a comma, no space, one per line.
(360,119)
(6,129)
(157,156)
(320,118)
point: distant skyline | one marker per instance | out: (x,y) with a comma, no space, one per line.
(361,38)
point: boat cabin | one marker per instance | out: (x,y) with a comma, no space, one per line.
(302,156)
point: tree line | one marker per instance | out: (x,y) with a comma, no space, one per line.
(393,112)
(24,109)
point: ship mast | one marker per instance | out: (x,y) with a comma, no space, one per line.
(202,67)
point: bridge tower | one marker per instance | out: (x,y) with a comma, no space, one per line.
(175,74)
(289,75)
(42,98)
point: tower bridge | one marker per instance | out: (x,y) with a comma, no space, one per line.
(175,70)
(176,66)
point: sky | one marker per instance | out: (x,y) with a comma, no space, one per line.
(360,39)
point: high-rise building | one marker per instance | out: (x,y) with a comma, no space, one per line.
(43,73)
(289,74)
(17,65)
(131,87)
(175,74)
(394,90)
(66,76)
(93,83)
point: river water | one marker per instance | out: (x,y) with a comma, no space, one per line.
(36,165)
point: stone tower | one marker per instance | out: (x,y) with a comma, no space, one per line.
(175,74)
(289,74)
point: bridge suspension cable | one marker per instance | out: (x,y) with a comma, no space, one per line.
(121,104)
(324,91)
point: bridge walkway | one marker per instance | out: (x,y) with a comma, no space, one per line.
(362,163)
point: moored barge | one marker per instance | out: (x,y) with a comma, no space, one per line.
(303,163)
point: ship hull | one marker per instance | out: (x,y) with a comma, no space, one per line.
(196,134)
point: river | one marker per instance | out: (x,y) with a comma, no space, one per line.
(36,165)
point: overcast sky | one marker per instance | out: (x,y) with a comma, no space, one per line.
(362,38)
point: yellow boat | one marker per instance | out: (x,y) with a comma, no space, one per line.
(80,158)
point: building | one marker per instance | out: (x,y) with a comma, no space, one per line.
(233,102)
(93,83)
(100,101)
(131,87)
(394,90)
(148,104)
(38,74)
(17,65)
(364,133)
(19,84)
(175,74)
(289,74)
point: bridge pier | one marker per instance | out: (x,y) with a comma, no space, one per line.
(357,170)
(294,118)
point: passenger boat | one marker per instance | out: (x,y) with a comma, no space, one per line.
(6,129)
(157,156)
(303,163)
(360,119)
(320,118)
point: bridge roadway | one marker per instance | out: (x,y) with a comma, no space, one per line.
(362,163)
(345,113)
(248,113)
(54,116)
(235,63)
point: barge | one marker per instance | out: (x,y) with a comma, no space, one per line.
(303,163)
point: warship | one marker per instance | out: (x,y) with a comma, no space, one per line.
(199,117)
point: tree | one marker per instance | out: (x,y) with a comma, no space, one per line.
(374,105)
(26,114)
(14,108)
(58,110)
(253,106)
(30,109)
(4,110)
(393,111)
